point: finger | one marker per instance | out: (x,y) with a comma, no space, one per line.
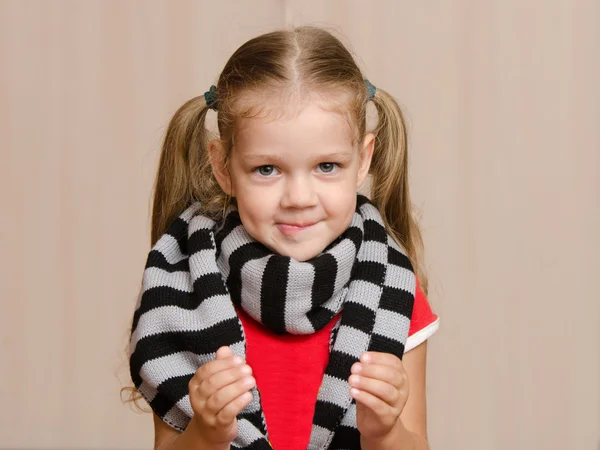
(227,394)
(384,359)
(207,370)
(221,379)
(376,405)
(387,374)
(230,411)
(380,389)
(224,352)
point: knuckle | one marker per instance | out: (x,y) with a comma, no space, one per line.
(200,391)
(392,393)
(196,405)
(233,375)
(208,385)
(402,371)
(223,418)
(381,409)
(195,394)
(240,386)
(243,371)
(395,412)
(405,381)
(199,375)
(207,418)
(247,380)
(399,380)
(215,400)
(193,383)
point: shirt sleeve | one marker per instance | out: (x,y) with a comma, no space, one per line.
(423,323)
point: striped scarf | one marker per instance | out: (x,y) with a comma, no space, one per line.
(199,271)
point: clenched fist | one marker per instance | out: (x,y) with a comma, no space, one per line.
(379,384)
(219,390)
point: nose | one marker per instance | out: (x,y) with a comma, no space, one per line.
(299,192)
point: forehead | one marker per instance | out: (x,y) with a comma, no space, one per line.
(289,107)
(298,125)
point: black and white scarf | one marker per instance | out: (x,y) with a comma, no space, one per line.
(198,270)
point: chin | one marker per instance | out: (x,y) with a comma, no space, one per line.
(302,255)
(298,256)
(305,257)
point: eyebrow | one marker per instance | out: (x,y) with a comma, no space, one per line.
(335,156)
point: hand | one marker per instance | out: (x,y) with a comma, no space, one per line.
(379,384)
(219,390)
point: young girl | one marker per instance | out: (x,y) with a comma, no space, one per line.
(277,304)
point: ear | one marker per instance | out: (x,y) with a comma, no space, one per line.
(216,154)
(366,154)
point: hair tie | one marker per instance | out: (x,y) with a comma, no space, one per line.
(211,97)
(370,89)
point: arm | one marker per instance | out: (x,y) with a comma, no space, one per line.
(166,438)
(410,431)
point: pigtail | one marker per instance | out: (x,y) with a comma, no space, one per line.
(184,175)
(389,189)
(184,172)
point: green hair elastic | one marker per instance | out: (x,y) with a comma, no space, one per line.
(211,97)
(371,89)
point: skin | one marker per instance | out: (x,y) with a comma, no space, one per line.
(295,181)
(408,433)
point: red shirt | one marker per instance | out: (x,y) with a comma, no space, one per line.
(289,369)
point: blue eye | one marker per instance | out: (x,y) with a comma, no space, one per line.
(327,167)
(265,171)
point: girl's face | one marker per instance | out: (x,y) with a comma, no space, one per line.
(295,179)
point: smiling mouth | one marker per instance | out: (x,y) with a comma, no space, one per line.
(292,229)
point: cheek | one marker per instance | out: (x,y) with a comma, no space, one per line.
(343,204)
(254,210)
(350,209)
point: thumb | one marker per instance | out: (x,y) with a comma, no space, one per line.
(224,352)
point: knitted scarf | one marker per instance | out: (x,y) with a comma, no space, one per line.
(199,270)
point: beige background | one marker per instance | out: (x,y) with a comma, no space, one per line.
(503,99)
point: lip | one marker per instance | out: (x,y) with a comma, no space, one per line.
(292,229)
